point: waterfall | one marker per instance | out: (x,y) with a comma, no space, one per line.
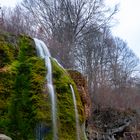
(43,52)
(84,131)
(58,63)
(76,113)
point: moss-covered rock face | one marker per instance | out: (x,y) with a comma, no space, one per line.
(25,105)
(66,113)
(22,80)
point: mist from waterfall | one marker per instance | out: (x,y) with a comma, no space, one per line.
(43,52)
(76,113)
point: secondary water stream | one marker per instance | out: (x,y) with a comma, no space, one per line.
(76,113)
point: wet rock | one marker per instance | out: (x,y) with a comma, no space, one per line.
(81,84)
(109,124)
(4,137)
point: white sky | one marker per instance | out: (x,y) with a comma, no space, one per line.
(8,3)
(129,21)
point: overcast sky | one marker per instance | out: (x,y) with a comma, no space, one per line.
(128,27)
(8,3)
(128,17)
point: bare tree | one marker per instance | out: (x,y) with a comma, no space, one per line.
(108,63)
(18,20)
(1,17)
(65,21)
(123,63)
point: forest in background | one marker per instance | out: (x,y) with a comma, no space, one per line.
(78,34)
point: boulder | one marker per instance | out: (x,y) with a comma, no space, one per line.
(4,137)
(109,123)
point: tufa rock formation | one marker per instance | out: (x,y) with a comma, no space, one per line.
(25,106)
(81,84)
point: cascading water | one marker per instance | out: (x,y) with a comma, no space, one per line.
(76,113)
(43,52)
(58,63)
(84,131)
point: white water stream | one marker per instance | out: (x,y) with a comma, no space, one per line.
(76,113)
(44,53)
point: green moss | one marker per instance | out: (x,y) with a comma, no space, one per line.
(27,48)
(6,87)
(25,104)
(22,80)
(27,100)
(66,114)
(6,54)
